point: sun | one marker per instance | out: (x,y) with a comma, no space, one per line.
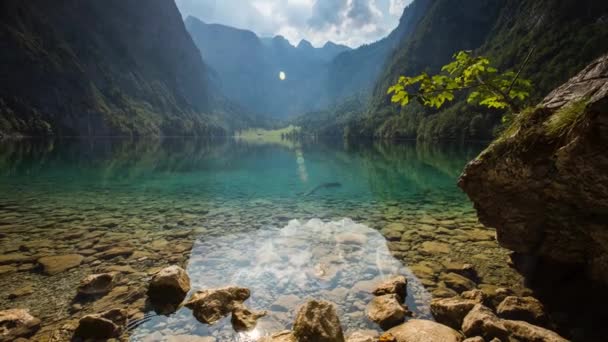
(282,76)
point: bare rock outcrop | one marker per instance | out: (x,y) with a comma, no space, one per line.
(543,184)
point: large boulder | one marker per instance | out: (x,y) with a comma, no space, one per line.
(171,284)
(416,330)
(317,321)
(52,265)
(209,306)
(110,324)
(451,311)
(395,285)
(524,331)
(543,184)
(527,309)
(386,311)
(15,323)
(481,321)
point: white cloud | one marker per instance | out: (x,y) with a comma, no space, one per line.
(350,22)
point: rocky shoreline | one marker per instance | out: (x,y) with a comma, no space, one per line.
(468,317)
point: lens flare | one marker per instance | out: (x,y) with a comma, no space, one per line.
(282,76)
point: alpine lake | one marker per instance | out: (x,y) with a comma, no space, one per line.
(289,221)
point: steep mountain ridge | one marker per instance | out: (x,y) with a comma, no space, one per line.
(102,68)
(565,35)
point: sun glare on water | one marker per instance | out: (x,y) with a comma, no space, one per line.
(282,76)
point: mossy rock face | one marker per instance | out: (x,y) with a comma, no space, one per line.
(543,184)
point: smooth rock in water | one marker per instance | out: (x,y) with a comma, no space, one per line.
(451,311)
(417,330)
(96,284)
(363,336)
(395,285)
(56,264)
(481,321)
(525,331)
(457,282)
(465,270)
(21,292)
(283,336)
(14,258)
(317,321)
(15,323)
(209,306)
(244,319)
(7,269)
(285,303)
(109,324)
(115,252)
(527,309)
(169,285)
(386,311)
(432,247)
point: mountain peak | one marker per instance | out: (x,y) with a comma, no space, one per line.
(305,44)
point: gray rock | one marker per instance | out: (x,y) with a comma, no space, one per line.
(15,323)
(416,330)
(317,321)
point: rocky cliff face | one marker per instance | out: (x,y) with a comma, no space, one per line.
(544,184)
(114,67)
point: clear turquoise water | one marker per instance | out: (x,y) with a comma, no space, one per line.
(247,217)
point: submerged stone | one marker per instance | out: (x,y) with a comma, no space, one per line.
(209,306)
(16,323)
(244,319)
(109,324)
(96,284)
(317,321)
(52,265)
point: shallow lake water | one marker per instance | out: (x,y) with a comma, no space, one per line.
(289,221)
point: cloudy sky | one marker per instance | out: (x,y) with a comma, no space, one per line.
(350,22)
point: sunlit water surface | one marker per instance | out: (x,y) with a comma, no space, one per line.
(238,213)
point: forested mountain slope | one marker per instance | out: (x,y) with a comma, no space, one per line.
(102,68)
(565,35)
